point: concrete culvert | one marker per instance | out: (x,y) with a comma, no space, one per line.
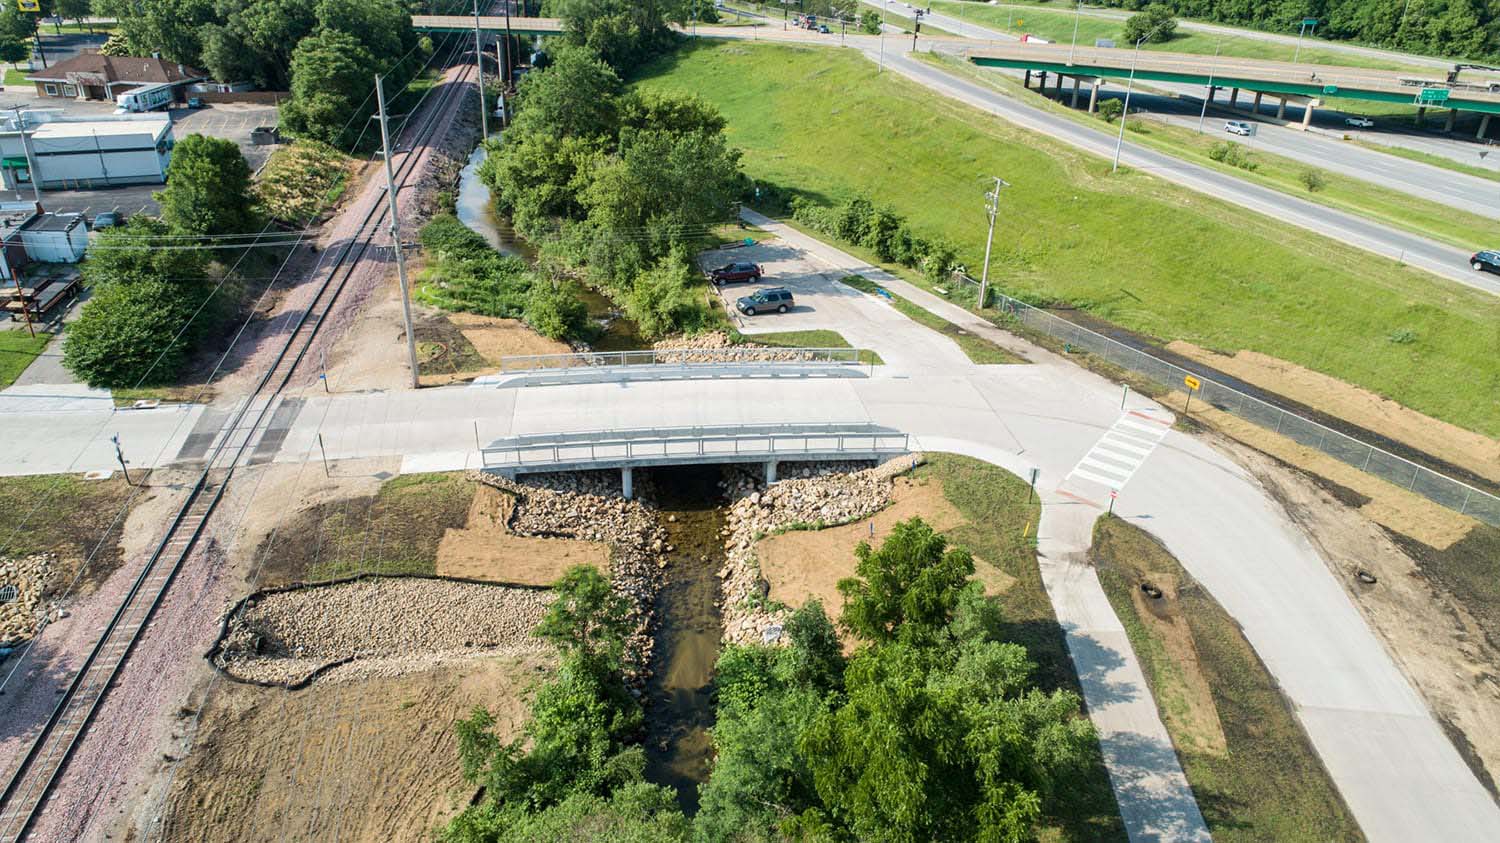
(1151,591)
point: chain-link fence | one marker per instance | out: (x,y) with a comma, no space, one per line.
(1439,488)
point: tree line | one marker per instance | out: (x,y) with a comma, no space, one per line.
(615,186)
(933,729)
(1458,28)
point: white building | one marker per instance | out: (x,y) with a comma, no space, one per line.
(70,154)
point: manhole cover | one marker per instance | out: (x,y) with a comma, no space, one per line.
(8,593)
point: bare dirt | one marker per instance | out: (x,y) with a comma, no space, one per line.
(1474,451)
(809,563)
(366,760)
(1438,642)
(484,549)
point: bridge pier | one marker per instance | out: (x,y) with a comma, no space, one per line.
(1077,81)
(1094,95)
(1421,115)
(1484,125)
(627,483)
(1234,97)
(1041,87)
(1026,81)
(1058,88)
(770,472)
(1452,116)
(1281,110)
(1258,95)
(1307,114)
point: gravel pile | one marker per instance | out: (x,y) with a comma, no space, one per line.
(588,506)
(825,495)
(716,340)
(20,616)
(283,637)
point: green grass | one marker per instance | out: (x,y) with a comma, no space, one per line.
(1001,533)
(1392,207)
(17,349)
(806,339)
(1428,158)
(1165,261)
(1268,783)
(16,78)
(68,516)
(978,349)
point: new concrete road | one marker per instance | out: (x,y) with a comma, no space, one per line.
(1445,261)
(1391,760)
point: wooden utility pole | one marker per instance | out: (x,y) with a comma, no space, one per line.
(390,196)
(484,118)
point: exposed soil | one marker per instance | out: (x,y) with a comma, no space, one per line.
(485,549)
(495,338)
(809,563)
(371,760)
(1442,636)
(70,517)
(1447,442)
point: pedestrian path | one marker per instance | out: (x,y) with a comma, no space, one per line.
(1122,450)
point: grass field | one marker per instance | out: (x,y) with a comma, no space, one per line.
(1393,207)
(16,78)
(17,349)
(1251,767)
(1165,261)
(1429,158)
(66,515)
(806,339)
(1001,528)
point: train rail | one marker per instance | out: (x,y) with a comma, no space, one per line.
(26,791)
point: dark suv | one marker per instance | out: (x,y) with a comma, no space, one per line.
(1487,261)
(778,299)
(735,272)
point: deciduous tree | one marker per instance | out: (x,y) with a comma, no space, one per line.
(208,188)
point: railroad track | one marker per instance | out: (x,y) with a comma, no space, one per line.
(41,767)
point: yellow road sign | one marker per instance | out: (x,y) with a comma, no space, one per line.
(1192,382)
(29,5)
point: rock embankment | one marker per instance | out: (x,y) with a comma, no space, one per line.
(825,495)
(681,350)
(588,506)
(25,610)
(398,624)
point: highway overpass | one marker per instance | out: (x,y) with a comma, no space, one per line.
(489,23)
(1312,83)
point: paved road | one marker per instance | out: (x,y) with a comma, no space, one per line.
(1442,260)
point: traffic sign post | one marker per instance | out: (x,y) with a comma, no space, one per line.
(1113,493)
(1193,385)
(1432,96)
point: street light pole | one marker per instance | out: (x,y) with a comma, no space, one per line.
(1077,13)
(390,195)
(1209,94)
(991,207)
(484,118)
(1125,112)
(1301,31)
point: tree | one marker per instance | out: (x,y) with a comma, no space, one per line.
(331,73)
(575,97)
(169,27)
(115,45)
(908,588)
(1155,24)
(208,188)
(383,27)
(815,659)
(556,312)
(1110,110)
(129,334)
(13,51)
(1313,179)
(659,301)
(587,618)
(127,254)
(869,22)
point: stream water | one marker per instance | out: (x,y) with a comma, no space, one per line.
(474,208)
(678,747)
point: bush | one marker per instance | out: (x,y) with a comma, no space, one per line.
(555,312)
(208,188)
(131,334)
(1231,153)
(1110,110)
(869,22)
(661,302)
(1154,23)
(1313,180)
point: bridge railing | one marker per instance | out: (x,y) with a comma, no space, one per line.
(750,443)
(680,357)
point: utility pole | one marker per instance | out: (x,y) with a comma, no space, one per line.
(484,117)
(1077,14)
(1125,112)
(1202,115)
(505,77)
(915,28)
(120,455)
(36,187)
(501,59)
(390,196)
(992,207)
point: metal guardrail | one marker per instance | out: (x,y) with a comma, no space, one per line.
(661,446)
(681,357)
(1435,486)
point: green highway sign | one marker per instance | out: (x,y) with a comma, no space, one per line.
(1309,21)
(1431,95)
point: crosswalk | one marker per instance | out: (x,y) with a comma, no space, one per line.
(1122,450)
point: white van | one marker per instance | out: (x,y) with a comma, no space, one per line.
(1240,127)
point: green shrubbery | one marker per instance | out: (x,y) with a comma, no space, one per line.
(1233,154)
(300,181)
(881,230)
(464,274)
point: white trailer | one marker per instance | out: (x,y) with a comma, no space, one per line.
(146,98)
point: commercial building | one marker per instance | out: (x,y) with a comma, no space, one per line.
(70,155)
(90,76)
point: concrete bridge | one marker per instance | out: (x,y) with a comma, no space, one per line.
(516,25)
(638,448)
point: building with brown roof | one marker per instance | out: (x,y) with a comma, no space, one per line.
(90,76)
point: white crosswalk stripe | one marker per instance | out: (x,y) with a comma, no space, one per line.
(1120,452)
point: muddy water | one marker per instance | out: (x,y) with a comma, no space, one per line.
(475,210)
(680,713)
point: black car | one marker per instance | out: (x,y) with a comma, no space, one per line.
(1486,261)
(108,219)
(778,299)
(735,272)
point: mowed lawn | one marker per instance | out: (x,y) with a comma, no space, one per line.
(1159,259)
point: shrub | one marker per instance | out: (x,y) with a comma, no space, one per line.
(555,312)
(869,22)
(1110,110)
(1313,180)
(1231,153)
(661,302)
(129,334)
(1154,23)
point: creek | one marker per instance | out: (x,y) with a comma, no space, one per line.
(474,208)
(681,709)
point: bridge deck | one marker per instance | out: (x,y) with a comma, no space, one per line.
(1276,77)
(488,23)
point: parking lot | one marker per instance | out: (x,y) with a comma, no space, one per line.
(233,121)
